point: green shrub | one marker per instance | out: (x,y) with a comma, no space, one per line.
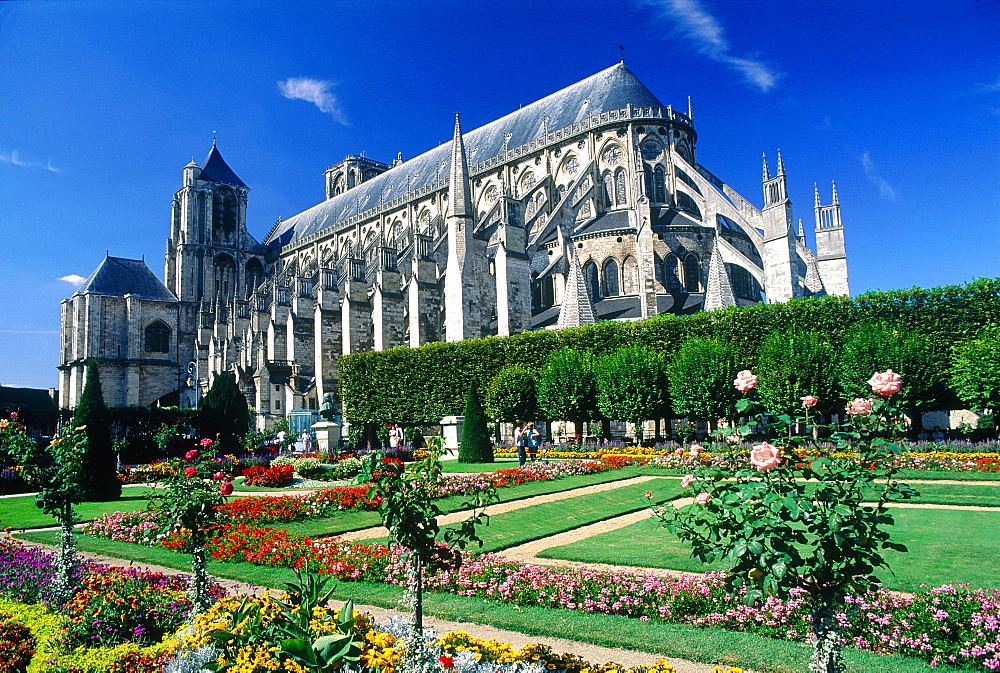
(99,476)
(476,445)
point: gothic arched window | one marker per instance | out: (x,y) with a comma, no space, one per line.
(611,284)
(254,276)
(157,338)
(621,193)
(647,182)
(659,185)
(630,276)
(692,273)
(590,277)
(609,189)
(671,274)
(225,278)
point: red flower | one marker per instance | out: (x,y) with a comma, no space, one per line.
(227,488)
(190,471)
(191,455)
(206,442)
(446,661)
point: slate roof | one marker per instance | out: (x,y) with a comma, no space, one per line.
(610,89)
(117,277)
(215,169)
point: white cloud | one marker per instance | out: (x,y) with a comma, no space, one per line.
(885,190)
(315,91)
(15,158)
(73,279)
(705,31)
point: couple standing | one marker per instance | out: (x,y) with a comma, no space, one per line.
(526,441)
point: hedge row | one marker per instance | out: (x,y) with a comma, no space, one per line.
(421,385)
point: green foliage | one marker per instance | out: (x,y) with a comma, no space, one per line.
(567,387)
(876,346)
(975,372)
(701,379)
(476,445)
(794,364)
(510,396)
(632,385)
(224,414)
(99,478)
(421,385)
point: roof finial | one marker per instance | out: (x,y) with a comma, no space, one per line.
(622,47)
(802,230)
(836,199)
(816,190)
(781,164)
(214,137)
(767,174)
(690,110)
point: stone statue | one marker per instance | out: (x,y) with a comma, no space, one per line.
(330,411)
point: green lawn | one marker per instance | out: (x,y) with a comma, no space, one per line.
(714,646)
(498,464)
(957,494)
(948,474)
(945,546)
(20,512)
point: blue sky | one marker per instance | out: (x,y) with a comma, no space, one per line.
(105,102)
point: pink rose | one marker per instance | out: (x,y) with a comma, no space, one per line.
(886,383)
(745,380)
(678,452)
(190,471)
(218,475)
(703,498)
(764,456)
(227,488)
(649,494)
(809,401)
(859,407)
(206,442)
(687,480)
(695,450)
(191,455)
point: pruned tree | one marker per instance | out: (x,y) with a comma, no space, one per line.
(632,385)
(701,380)
(567,388)
(794,364)
(510,395)
(225,413)
(975,371)
(99,477)
(476,445)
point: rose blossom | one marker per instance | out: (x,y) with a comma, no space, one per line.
(678,452)
(190,471)
(206,442)
(227,488)
(703,498)
(886,383)
(218,475)
(687,480)
(745,380)
(649,494)
(809,401)
(859,407)
(696,449)
(764,456)
(191,455)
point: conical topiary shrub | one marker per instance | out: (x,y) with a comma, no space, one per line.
(476,445)
(99,476)
(225,413)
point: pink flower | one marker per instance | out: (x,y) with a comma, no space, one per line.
(886,383)
(190,471)
(191,455)
(227,488)
(859,407)
(206,442)
(695,450)
(649,494)
(703,498)
(687,480)
(218,475)
(745,380)
(764,456)
(809,401)
(678,452)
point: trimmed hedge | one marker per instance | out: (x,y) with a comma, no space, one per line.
(421,385)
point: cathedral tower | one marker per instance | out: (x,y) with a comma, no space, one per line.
(459,283)
(779,236)
(831,253)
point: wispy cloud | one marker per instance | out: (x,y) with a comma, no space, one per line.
(696,24)
(29,331)
(316,91)
(885,190)
(73,279)
(15,158)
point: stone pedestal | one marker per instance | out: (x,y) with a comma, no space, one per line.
(327,436)
(451,427)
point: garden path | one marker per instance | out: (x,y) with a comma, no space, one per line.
(592,653)
(501,508)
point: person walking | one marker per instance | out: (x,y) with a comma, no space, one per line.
(531,441)
(520,439)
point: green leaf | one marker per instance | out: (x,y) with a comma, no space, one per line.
(299,649)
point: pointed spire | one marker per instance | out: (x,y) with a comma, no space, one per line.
(781,164)
(767,174)
(836,199)
(458,188)
(816,194)
(718,289)
(577,308)
(802,231)
(690,110)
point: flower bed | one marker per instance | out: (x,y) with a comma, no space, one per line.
(269,477)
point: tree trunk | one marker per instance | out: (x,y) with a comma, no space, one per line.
(825,640)
(197,591)
(416,587)
(65,558)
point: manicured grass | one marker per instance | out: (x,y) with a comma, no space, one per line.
(714,646)
(957,494)
(948,475)
(239,484)
(20,512)
(498,464)
(945,546)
